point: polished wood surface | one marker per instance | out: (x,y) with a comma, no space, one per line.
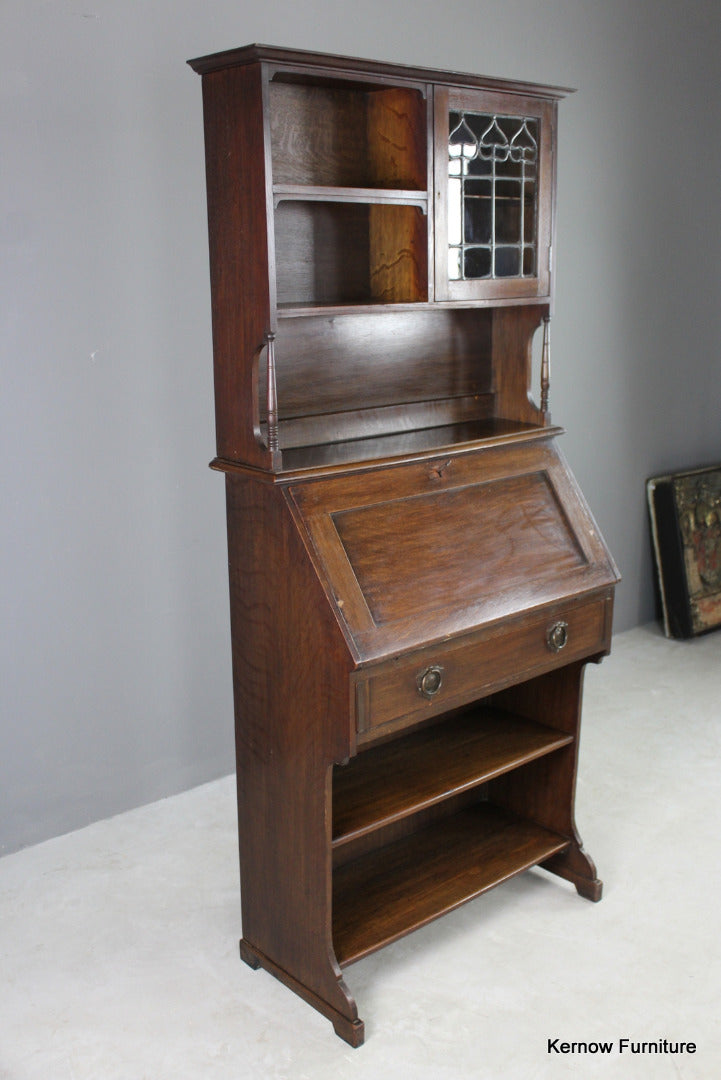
(346,138)
(416,581)
(481,662)
(546,791)
(416,552)
(402,359)
(322,253)
(361,452)
(380,541)
(290,728)
(397,889)
(347,252)
(398,251)
(401,777)
(338,214)
(329,66)
(512,342)
(239,255)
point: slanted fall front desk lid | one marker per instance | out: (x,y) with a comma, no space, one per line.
(422,552)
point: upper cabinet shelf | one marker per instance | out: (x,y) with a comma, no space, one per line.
(381,255)
(369,196)
(339,252)
(347,135)
(350,172)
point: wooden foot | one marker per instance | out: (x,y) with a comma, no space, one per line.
(576,866)
(350,1031)
(591,890)
(348,1028)
(248,955)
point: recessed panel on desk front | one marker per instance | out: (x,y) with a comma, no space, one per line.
(421,552)
(450,549)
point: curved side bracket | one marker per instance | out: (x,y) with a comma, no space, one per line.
(339,1006)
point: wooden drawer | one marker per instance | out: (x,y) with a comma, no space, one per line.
(433,680)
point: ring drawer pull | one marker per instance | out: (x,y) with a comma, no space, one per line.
(557,636)
(430,681)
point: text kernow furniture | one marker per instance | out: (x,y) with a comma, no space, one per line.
(416,582)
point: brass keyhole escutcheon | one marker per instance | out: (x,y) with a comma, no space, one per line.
(430,681)
(557,636)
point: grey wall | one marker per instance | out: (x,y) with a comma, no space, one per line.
(115,646)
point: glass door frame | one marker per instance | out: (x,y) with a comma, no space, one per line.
(453,99)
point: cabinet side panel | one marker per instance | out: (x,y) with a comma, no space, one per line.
(545,790)
(292,706)
(513,332)
(239,255)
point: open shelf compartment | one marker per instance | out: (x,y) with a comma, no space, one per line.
(350,252)
(347,134)
(389,892)
(396,779)
(447,438)
(411,382)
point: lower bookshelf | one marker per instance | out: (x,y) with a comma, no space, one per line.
(416,832)
(393,890)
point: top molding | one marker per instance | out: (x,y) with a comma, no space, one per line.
(296,58)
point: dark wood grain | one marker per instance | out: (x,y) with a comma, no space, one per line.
(397,253)
(291,133)
(513,333)
(388,893)
(365,432)
(371,451)
(322,252)
(546,791)
(239,255)
(402,777)
(416,552)
(397,145)
(347,137)
(510,530)
(322,65)
(319,135)
(286,743)
(416,581)
(388,358)
(481,663)
(350,252)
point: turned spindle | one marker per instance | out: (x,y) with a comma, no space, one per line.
(546,365)
(272,394)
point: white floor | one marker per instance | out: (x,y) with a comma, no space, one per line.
(118,943)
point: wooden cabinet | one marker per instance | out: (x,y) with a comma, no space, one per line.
(416,582)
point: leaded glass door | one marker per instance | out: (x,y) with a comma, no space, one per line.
(493,178)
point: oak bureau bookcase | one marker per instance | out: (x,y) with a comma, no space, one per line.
(416,582)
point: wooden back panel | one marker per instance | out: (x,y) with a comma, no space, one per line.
(366,366)
(347,135)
